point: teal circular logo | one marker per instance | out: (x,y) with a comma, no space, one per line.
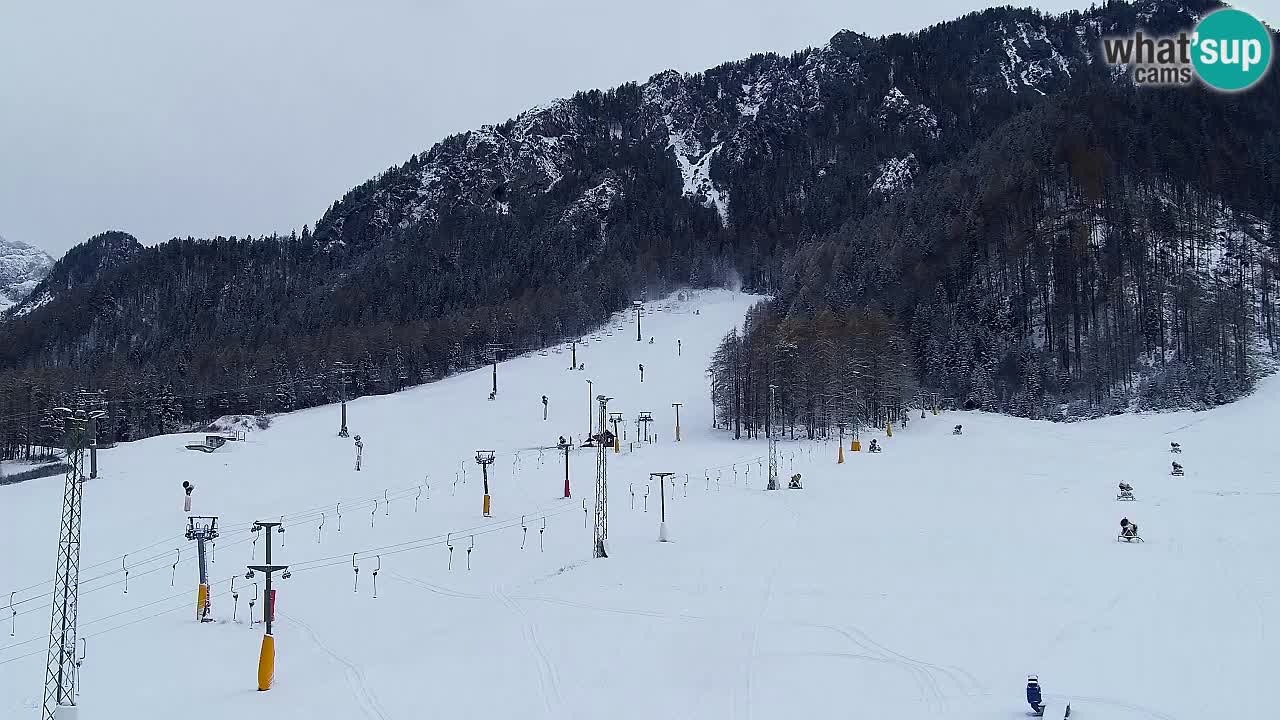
(1231,50)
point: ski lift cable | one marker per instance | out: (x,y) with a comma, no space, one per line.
(416,543)
(170,598)
(233,530)
(112,559)
(303,516)
(183,606)
(129,574)
(419,543)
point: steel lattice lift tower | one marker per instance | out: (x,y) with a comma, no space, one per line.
(773,442)
(601,534)
(60,670)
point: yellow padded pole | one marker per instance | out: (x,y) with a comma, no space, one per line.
(202,597)
(267,663)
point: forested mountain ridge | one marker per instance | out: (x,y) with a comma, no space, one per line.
(1120,253)
(532,230)
(81,266)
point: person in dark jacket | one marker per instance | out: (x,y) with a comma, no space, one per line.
(1034,699)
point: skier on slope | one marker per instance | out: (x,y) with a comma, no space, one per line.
(875,447)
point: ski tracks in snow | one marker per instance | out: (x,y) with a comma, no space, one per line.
(779,556)
(925,674)
(755,630)
(355,676)
(1131,707)
(437,589)
(548,678)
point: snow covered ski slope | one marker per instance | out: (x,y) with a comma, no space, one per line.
(927,581)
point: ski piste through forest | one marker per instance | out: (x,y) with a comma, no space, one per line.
(928,580)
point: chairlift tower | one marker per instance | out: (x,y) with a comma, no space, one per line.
(60,668)
(646,417)
(639,306)
(494,351)
(202,529)
(267,656)
(711,386)
(601,534)
(614,419)
(662,494)
(342,395)
(773,441)
(484,458)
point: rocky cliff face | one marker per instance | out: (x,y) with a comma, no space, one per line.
(22,267)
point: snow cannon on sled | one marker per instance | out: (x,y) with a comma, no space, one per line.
(794,483)
(1126,492)
(958,430)
(1177,470)
(1175,448)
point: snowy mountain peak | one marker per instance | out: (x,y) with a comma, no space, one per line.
(22,267)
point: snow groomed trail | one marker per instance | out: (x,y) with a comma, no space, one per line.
(923,582)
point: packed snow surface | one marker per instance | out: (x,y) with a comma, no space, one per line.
(923,582)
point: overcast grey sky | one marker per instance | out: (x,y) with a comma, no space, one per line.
(166,118)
